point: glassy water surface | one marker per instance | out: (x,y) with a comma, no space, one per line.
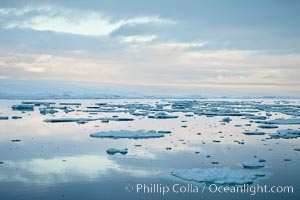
(62,161)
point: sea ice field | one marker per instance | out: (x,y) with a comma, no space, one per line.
(98,148)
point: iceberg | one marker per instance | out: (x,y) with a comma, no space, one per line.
(113,151)
(222,176)
(286,134)
(139,134)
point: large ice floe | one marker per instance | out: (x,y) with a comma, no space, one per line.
(139,134)
(286,134)
(222,176)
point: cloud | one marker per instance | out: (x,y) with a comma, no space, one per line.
(169,42)
(70,21)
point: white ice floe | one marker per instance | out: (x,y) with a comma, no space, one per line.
(223,176)
(113,151)
(139,134)
(284,121)
(253,133)
(252,165)
(162,115)
(267,126)
(286,134)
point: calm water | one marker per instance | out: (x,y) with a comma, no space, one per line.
(61,160)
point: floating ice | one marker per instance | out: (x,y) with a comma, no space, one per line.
(284,121)
(113,151)
(253,133)
(4,118)
(45,111)
(286,134)
(222,176)
(23,107)
(162,115)
(257,117)
(252,165)
(16,117)
(70,104)
(226,119)
(60,120)
(267,126)
(38,103)
(139,134)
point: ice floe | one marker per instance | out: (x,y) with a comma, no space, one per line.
(162,115)
(267,126)
(139,134)
(23,107)
(286,134)
(113,151)
(222,176)
(253,133)
(284,121)
(252,165)
(4,117)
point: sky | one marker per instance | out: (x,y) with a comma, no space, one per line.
(250,46)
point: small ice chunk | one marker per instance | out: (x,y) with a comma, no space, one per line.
(16,140)
(222,176)
(253,133)
(297,149)
(164,132)
(16,117)
(139,134)
(253,165)
(226,119)
(112,151)
(286,134)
